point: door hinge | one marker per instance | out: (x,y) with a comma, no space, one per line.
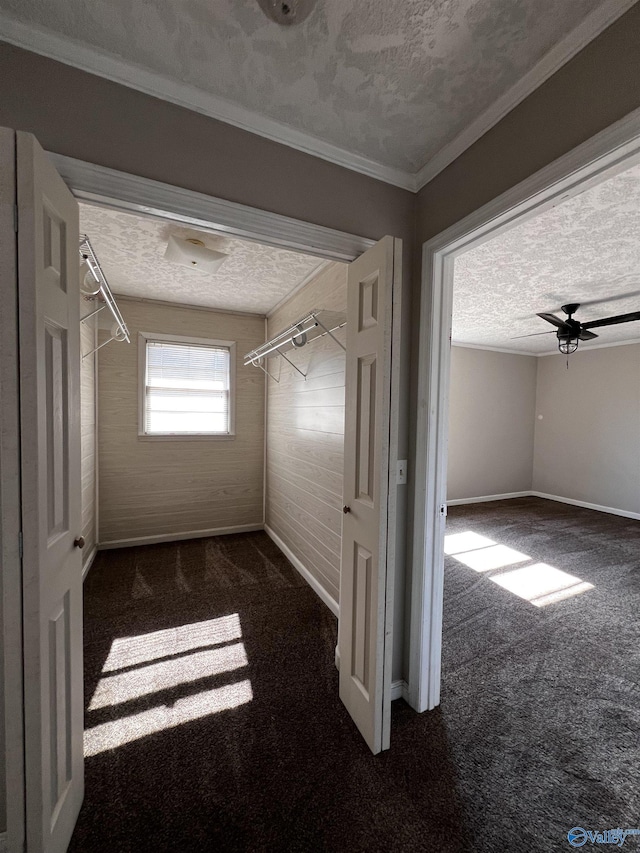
(20,545)
(15,218)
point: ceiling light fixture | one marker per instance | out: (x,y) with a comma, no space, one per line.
(287,12)
(192,252)
(568,345)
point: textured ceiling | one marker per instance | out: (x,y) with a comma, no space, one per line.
(131,249)
(392,80)
(587,248)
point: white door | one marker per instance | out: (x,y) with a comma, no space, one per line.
(368,534)
(49,359)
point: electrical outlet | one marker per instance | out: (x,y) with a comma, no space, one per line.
(401,474)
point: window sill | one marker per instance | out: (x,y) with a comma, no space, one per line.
(177,437)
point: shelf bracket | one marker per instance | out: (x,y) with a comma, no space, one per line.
(87,354)
(92,314)
(265,371)
(331,335)
(304,375)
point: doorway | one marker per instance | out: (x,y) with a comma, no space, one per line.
(374,317)
(609,152)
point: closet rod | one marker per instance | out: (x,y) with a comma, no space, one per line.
(297,335)
(88,255)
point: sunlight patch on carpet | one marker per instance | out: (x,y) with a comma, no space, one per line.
(492,557)
(541,584)
(456,543)
(125,686)
(119,732)
(130,651)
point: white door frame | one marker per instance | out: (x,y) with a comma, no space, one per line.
(10,505)
(122,191)
(610,150)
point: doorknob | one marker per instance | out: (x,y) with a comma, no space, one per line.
(346,509)
(79,542)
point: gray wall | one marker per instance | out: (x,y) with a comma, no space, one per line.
(587,445)
(491,423)
(133,132)
(520,423)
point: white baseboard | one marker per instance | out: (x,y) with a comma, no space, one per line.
(399,690)
(486,498)
(331,603)
(597,507)
(85,571)
(532,494)
(178,537)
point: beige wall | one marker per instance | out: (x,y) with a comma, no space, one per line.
(88,388)
(491,423)
(587,445)
(305,436)
(153,487)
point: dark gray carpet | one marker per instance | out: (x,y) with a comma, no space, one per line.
(542,705)
(537,732)
(286,771)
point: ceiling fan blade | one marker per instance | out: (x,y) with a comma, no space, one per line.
(533,335)
(629,295)
(612,321)
(551,318)
(586,335)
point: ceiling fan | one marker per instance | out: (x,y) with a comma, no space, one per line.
(570,332)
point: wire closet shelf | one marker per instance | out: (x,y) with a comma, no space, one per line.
(315,324)
(95,287)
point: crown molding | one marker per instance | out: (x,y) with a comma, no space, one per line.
(591,27)
(554,351)
(486,348)
(93,61)
(74,53)
(185,306)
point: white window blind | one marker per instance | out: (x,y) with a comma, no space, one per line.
(187,389)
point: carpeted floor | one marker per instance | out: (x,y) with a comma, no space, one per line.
(542,704)
(285,770)
(213,721)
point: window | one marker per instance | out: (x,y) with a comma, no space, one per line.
(186,386)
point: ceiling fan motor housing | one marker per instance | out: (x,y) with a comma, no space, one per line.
(571,329)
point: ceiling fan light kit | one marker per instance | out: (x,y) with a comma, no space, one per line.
(570,332)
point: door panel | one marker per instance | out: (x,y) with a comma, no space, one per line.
(366,578)
(49,322)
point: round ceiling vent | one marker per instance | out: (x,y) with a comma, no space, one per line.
(287,12)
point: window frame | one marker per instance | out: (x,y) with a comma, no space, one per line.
(151,337)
